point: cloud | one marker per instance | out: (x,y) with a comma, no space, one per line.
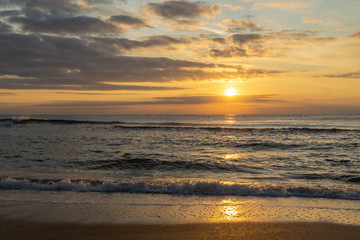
(182,9)
(212,99)
(103,1)
(5,27)
(355,35)
(268,43)
(240,26)
(10,13)
(60,17)
(311,20)
(299,36)
(281,5)
(48,62)
(343,75)
(243,38)
(184,22)
(228,52)
(53,7)
(129,21)
(182,100)
(6,93)
(71,25)
(124,45)
(234,8)
(261,72)
(217,40)
(64,5)
(235,45)
(91,93)
(25,84)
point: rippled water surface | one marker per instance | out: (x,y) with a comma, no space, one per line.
(278,155)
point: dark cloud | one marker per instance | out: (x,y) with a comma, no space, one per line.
(182,100)
(182,9)
(31,84)
(6,93)
(51,24)
(103,1)
(58,16)
(54,6)
(184,22)
(241,26)
(343,75)
(4,27)
(90,93)
(128,21)
(10,13)
(163,41)
(217,40)
(243,38)
(124,44)
(261,72)
(65,4)
(228,52)
(355,35)
(237,45)
(212,99)
(48,62)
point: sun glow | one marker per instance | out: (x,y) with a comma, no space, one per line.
(230,92)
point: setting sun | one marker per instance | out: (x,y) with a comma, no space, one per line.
(230,92)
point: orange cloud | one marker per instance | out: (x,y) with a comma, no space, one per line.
(311,20)
(233,7)
(281,5)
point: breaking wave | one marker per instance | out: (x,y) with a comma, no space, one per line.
(176,187)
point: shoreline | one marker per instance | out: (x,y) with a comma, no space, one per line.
(20,229)
(70,215)
(125,208)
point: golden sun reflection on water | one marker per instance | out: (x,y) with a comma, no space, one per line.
(234,156)
(230,209)
(230,119)
(230,212)
(230,156)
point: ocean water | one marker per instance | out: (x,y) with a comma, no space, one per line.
(303,156)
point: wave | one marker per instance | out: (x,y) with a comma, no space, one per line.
(29,120)
(150,164)
(177,125)
(243,129)
(355,178)
(176,187)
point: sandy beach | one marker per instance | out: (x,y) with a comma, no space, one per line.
(141,216)
(14,229)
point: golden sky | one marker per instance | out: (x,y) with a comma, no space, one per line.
(117,56)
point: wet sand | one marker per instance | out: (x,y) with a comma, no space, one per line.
(67,215)
(16,229)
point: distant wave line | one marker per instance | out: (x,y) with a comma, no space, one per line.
(173,125)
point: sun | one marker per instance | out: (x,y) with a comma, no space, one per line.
(230,92)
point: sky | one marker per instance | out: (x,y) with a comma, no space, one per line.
(179,57)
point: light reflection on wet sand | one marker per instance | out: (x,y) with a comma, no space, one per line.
(147,208)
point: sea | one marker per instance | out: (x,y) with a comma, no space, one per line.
(258,156)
